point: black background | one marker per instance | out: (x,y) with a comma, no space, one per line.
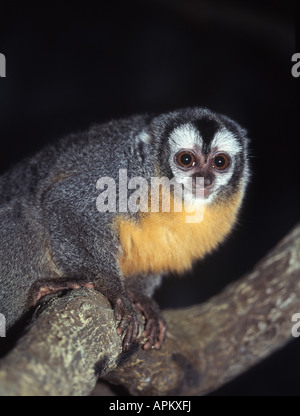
(69,66)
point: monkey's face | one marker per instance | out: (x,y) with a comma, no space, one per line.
(212,147)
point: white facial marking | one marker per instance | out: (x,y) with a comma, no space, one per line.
(184,137)
(144,137)
(188,137)
(226,142)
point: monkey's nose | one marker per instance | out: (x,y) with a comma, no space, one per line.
(208,181)
(208,178)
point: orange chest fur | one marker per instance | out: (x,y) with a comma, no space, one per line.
(164,242)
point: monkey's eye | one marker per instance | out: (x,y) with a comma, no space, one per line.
(221,161)
(185,159)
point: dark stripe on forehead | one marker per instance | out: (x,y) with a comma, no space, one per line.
(207,128)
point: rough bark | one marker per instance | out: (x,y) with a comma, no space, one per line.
(72,339)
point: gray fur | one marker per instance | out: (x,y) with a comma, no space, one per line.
(48,205)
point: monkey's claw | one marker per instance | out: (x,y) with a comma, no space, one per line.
(155,325)
(155,330)
(128,322)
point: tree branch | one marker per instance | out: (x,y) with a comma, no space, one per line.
(72,338)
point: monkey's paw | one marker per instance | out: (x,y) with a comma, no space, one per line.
(126,314)
(155,331)
(155,325)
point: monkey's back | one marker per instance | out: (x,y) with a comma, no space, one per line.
(64,175)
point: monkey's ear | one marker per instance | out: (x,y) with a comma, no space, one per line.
(144,136)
